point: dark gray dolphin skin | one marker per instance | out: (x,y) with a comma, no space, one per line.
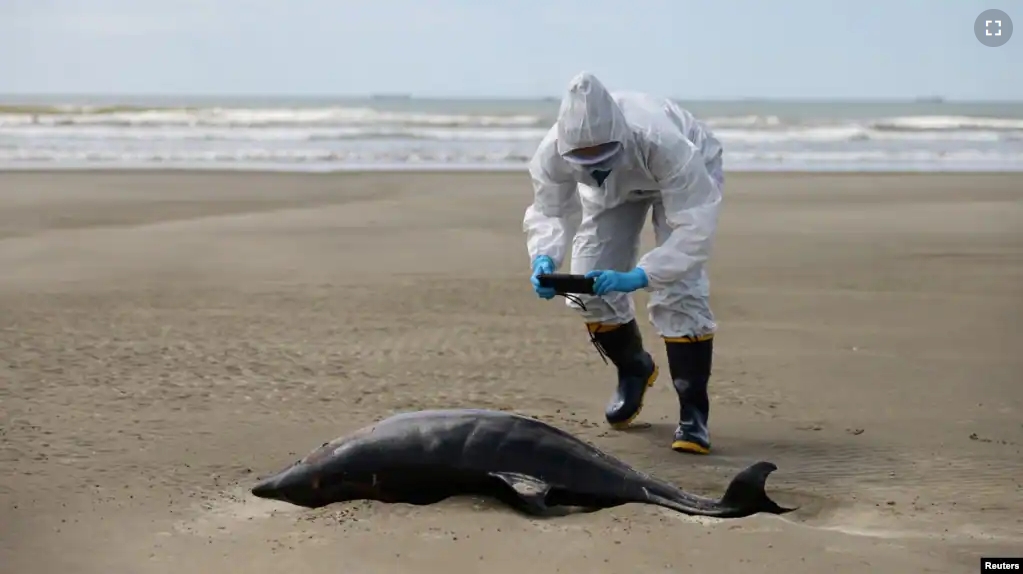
(424,457)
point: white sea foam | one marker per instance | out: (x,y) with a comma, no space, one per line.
(249,117)
(948,123)
(337,137)
(838,133)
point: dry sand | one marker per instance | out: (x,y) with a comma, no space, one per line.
(165,338)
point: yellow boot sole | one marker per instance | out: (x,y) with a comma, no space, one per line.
(689,447)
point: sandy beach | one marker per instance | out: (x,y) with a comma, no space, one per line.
(168,337)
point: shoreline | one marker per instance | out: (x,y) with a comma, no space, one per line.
(473,170)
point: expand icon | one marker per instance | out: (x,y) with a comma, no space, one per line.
(993,28)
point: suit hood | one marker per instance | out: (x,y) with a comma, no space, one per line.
(589,116)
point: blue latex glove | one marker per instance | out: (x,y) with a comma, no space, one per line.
(542,265)
(608,281)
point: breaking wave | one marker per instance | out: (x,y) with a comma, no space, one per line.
(339,135)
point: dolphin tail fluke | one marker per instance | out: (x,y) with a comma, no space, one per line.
(748,491)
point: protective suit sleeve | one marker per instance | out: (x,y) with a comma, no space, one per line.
(552,219)
(691,204)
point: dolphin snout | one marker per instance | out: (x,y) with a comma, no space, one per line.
(266,488)
(277,485)
(297,484)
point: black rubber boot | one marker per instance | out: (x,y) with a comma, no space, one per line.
(690,364)
(623,345)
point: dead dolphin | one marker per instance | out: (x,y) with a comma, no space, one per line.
(424,457)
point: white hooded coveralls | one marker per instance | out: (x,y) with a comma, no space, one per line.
(669,162)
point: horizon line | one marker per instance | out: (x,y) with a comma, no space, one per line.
(932,99)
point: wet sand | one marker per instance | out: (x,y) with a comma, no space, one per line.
(165,338)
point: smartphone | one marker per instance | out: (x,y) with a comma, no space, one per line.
(567,283)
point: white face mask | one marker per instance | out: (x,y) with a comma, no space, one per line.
(599,170)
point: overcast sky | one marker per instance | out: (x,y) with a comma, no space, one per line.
(509,48)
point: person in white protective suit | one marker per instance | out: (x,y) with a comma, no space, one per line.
(610,159)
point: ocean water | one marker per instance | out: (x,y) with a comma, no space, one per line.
(410,133)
